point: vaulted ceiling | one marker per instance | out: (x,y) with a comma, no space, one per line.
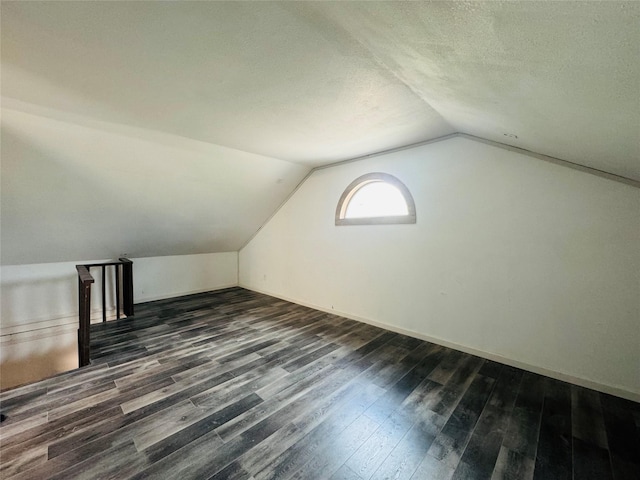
(312,83)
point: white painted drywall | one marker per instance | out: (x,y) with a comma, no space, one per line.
(40,306)
(75,188)
(512,257)
(166,277)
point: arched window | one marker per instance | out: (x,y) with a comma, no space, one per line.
(374,199)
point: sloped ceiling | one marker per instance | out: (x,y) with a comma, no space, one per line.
(276,88)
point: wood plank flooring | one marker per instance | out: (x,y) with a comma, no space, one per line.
(238,385)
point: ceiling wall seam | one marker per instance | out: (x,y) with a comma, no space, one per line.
(554,160)
(284,202)
(521,151)
(386,152)
(102,126)
(148,135)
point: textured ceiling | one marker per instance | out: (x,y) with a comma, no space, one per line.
(166,128)
(319,82)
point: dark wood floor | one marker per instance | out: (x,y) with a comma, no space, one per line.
(238,385)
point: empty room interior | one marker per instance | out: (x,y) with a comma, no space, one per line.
(368,240)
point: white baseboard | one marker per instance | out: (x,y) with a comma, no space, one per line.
(565,377)
(153,298)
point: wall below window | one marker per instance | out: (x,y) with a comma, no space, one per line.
(40,306)
(514,258)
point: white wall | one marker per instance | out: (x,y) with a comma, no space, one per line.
(40,306)
(166,277)
(514,258)
(76,188)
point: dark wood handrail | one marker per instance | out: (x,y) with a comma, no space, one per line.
(83,274)
(85,279)
(106,264)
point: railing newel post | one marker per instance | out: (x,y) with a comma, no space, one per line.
(117,267)
(127,286)
(104,294)
(84,310)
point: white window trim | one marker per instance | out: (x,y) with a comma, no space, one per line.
(358,183)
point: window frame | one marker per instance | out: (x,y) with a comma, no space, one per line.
(360,182)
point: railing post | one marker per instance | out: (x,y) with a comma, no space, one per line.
(84,310)
(117,267)
(104,294)
(127,286)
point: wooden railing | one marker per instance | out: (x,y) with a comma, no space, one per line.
(84,300)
